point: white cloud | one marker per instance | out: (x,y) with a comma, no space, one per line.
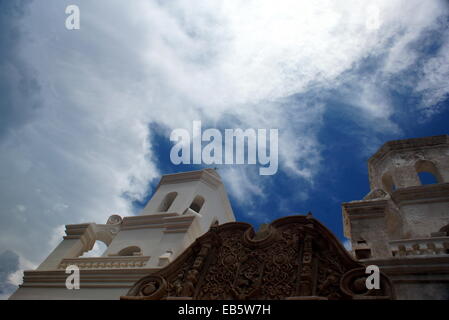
(57,235)
(434,84)
(97,250)
(170,63)
(16,278)
(241,184)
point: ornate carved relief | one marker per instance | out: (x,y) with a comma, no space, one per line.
(292,257)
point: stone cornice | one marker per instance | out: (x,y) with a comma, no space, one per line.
(146,221)
(207,176)
(89,278)
(413,265)
(425,246)
(366,209)
(178,224)
(422,194)
(88,233)
(409,144)
(171,222)
(76,231)
(106,262)
(84,231)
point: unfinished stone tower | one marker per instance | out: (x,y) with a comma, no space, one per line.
(402,225)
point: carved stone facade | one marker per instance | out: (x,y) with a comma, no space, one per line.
(293,258)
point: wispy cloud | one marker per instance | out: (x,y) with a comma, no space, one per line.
(272,65)
(12,266)
(433,83)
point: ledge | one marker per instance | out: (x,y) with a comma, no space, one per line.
(414,266)
(425,247)
(169,222)
(105,262)
(367,209)
(422,194)
(208,176)
(90,278)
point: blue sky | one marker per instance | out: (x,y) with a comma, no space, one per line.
(85,115)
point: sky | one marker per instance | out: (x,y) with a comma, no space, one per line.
(86,115)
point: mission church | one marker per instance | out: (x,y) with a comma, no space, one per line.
(186,244)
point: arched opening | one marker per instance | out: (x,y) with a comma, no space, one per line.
(427,178)
(167,202)
(388,183)
(130,251)
(427,172)
(197,204)
(97,250)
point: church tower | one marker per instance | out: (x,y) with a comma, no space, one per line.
(403,222)
(183,207)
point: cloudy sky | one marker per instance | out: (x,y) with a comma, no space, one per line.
(86,115)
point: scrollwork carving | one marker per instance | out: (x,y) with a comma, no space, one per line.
(114,219)
(353,284)
(293,257)
(152,287)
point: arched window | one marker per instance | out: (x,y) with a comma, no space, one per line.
(427,178)
(197,204)
(167,202)
(387,182)
(427,172)
(130,251)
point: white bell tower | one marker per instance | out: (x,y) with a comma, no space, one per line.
(183,208)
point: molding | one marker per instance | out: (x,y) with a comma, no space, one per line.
(88,233)
(89,273)
(91,278)
(368,209)
(146,221)
(408,144)
(84,232)
(205,175)
(178,224)
(170,222)
(105,262)
(425,246)
(422,194)
(412,265)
